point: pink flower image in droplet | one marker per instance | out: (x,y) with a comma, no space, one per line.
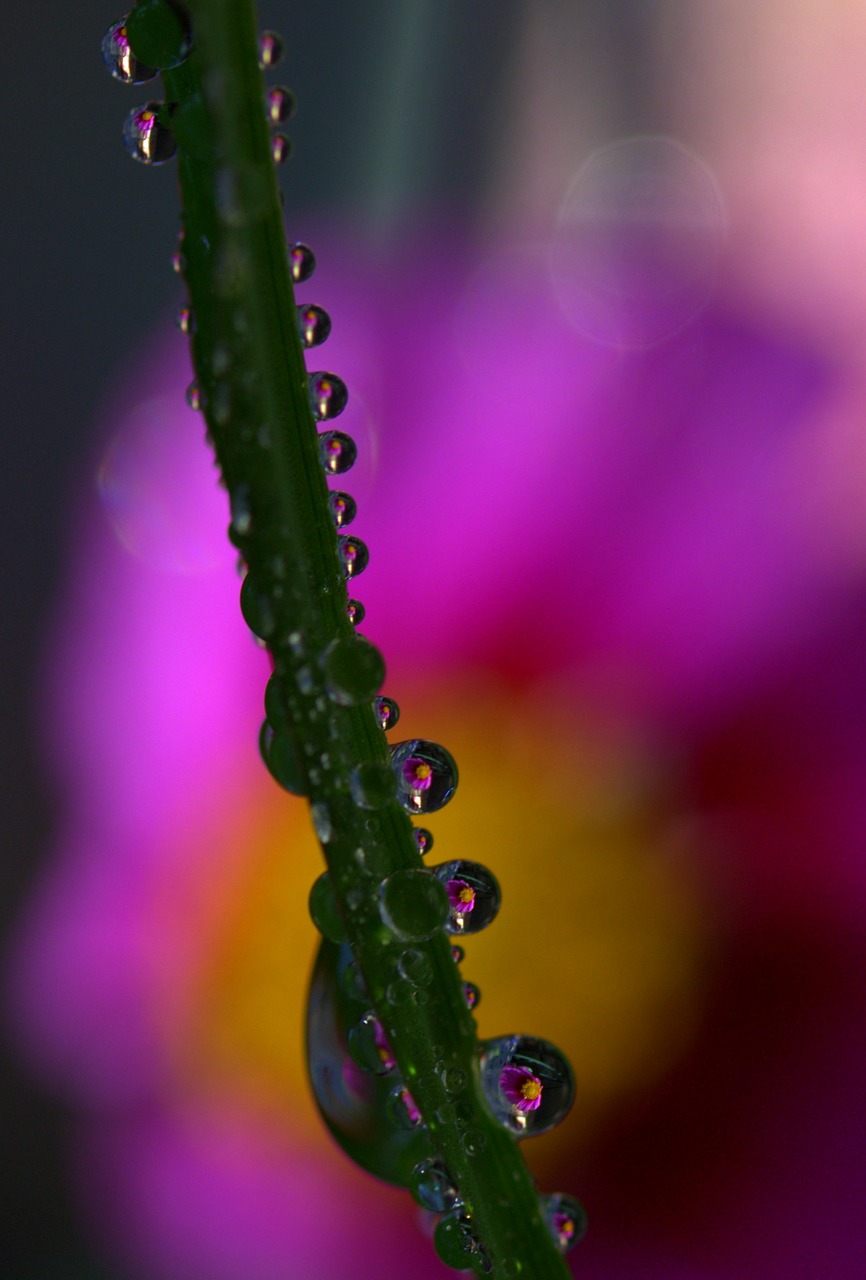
(522,1089)
(461,895)
(417,773)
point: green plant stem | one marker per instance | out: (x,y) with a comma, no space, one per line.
(250,369)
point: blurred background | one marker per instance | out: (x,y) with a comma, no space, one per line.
(596,274)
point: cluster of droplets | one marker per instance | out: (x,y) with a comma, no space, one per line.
(153,37)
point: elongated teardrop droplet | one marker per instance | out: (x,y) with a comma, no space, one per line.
(474,896)
(387,712)
(566,1220)
(343,508)
(314,326)
(281,104)
(119,59)
(270,50)
(145,138)
(426,775)
(302,262)
(354,1101)
(353,554)
(328,395)
(528,1083)
(337,451)
(281,148)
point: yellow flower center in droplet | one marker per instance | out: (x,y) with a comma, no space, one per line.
(466,895)
(530,1090)
(422,772)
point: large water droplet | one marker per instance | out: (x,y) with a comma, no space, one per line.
(474,896)
(426,775)
(302,262)
(354,669)
(433,1187)
(324,910)
(355,612)
(281,104)
(337,451)
(565,1218)
(329,395)
(354,1101)
(119,58)
(353,553)
(387,712)
(528,1083)
(281,148)
(145,138)
(280,753)
(372,784)
(413,904)
(270,50)
(159,32)
(343,508)
(314,326)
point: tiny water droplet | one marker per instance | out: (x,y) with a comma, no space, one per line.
(474,896)
(473,1142)
(119,59)
(337,451)
(314,326)
(413,904)
(472,994)
(433,1187)
(387,712)
(353,554)
(343,508)
(324,910)
(281,104)
(145,138)
(354,669)
(403,1109)
(426,775)
(528,1083)
(454,1079)
(184,319)
(566,1220)
(423,839)
(355,612)
(257,609)
(329,395)
(416,967)
(281,148)
(270,50)
(458,955)
(302,262)
(371,784)
(194,397)
(322,824)
(177,262)
(280,753)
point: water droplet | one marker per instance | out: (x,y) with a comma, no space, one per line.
(280,753)
(510,1267)
(119,58)
(413,904)
(281,104)
(353,554)
(275,707)
(337,451)
(270,50)
(257,610)
(416,967)
(454,1079)
(474,896)
(458,955)
(159,32)
(239,503)
(565,1218)
(322,824)
(194,397)
(343,508)
(372,784)
(473,1142)
(329,395)
(403,1109)
(354,1101)
(423,839)
(302,262)
(305,680)
(324,910)
(355,612)
(528,1083)
(145,138)
(184,319)
(455,1241)
(387,712)
(368,1046)
(433,1187)
(426,775)
(472,994)
(178,262)
(281,148)
(314,326)
(354,669)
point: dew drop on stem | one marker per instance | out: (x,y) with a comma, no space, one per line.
(328,395)
(474,895)
(314,326)
(337,451)
(270,50)
(145,138)
(528,1083)
(119,59)
(302,262)
(280,104)
(426,775)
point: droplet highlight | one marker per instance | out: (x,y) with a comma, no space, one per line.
(474,896)
(145,138)
(183,319)
(426,775)
(329,395)
(528,1083)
